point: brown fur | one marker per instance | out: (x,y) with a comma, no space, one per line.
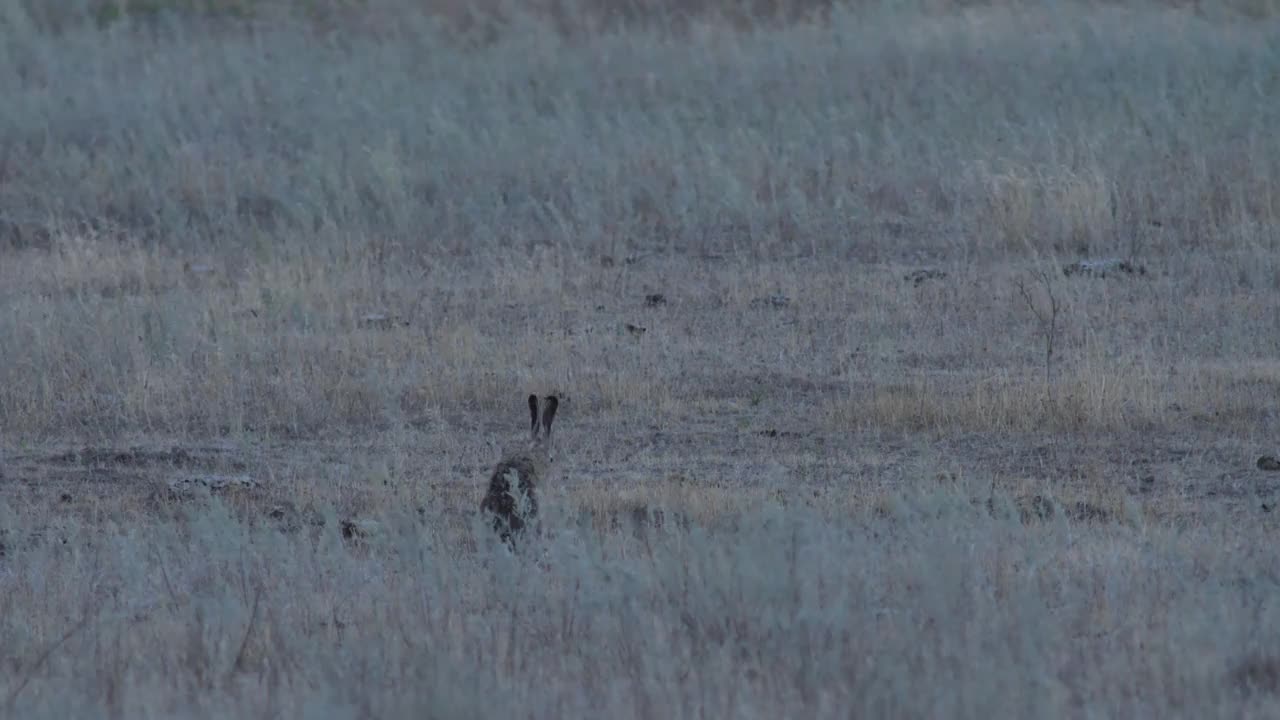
(501,500)
(526,469)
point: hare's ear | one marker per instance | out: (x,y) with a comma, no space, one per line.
(549,414)
(533,415)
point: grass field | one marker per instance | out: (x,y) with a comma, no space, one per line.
(844,432)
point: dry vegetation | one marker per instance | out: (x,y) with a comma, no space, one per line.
(840,437)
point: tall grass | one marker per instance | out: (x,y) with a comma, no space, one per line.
(985,132)
(197,212)
(347,238)
(937,610)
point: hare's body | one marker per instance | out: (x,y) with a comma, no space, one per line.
(512,499)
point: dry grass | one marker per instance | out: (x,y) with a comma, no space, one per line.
(797,475)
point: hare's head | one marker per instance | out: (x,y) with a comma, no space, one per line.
(541,415)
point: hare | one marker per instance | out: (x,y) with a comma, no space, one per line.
(511,499)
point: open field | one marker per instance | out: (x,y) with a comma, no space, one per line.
(839,435)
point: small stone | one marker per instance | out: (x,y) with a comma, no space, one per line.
(1268,463)
(923,275)
(1102,268)
(380,321)
(360,529)
(212,482)
(774,301)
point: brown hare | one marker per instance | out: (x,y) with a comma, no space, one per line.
(511,500)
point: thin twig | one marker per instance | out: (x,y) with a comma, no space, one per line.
(1048,319)
(43,657)
(237,666)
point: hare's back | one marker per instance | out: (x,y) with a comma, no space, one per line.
(520,469)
